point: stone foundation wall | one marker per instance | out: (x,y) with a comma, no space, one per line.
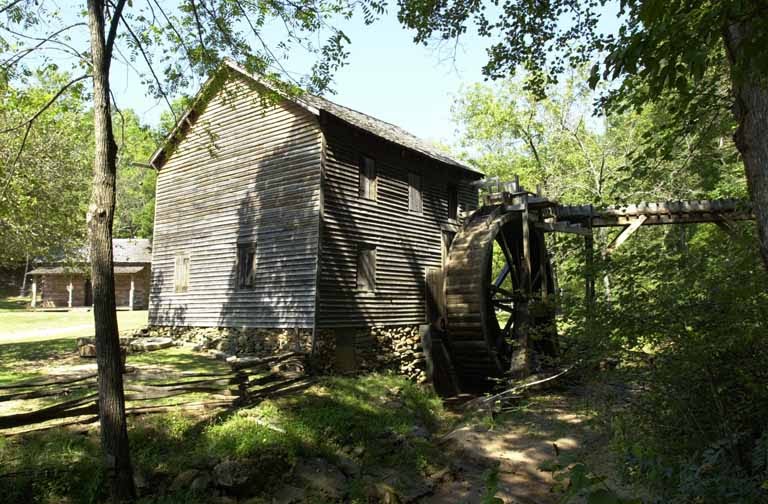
(236,341)
(377,348)
(340,350)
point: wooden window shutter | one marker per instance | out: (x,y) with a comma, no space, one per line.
(368,178)
(246,265)
(453,202)
(415,202)
(366,268)
(181,273)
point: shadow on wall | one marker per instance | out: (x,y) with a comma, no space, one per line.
(271,283)
(399,236)
(162,310)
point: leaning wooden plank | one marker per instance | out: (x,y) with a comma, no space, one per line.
(248,362)
(62,410)
(234,379)
(203,405)
(147,393)
(150,374)
(34,394)
(31,384)
(59,425)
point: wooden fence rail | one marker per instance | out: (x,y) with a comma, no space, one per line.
(249,381)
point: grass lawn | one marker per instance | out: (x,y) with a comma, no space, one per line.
(27,325)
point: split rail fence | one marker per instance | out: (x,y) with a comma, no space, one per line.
(249,381)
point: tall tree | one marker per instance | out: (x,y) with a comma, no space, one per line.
(186,38)
(41,206)
(680,48)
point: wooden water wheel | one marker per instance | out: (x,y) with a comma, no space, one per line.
(493,276)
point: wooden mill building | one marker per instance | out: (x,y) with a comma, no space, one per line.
(66,283)
(297,213)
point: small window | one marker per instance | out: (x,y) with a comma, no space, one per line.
(366,268)
(414,193)
(453,202)
(368,178)
(181,273)
(246,265)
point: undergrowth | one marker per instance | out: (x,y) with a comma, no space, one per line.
(369,415)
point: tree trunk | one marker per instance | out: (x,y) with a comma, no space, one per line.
(751,111)
(114,432)
(23,289)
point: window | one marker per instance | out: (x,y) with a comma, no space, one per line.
(246,265)
(453,202)
(181,273)
(368,178)
(366,268)
(414,193)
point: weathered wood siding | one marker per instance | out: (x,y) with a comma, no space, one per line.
(244,172)
(53,293)
(406,243)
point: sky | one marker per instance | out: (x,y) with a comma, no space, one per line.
(387,76)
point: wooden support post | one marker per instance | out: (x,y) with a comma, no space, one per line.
(130,295)
(589,273)
(625,234)
(69,291)
(521,356)
(543,273)
(34,292)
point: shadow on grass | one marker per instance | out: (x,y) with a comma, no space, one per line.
(13,303)
(178,359)
(23,360)
(368,420)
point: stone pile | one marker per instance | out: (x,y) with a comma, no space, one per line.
(236,341)
(379,348)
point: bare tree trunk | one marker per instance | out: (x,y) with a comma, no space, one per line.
(114,432)
(24,278)
(750,90)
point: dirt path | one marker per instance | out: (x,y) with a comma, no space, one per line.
(517,443)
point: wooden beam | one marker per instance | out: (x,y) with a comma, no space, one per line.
(625,234)
(562,227)
(70,288)
(34,291)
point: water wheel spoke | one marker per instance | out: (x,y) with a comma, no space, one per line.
(502,275)
(503,307)
(511,264)
(498,290)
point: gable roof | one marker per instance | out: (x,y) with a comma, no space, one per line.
(124,250)
(316,104)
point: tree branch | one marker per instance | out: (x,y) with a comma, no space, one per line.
(28,127)
(9,6)
(113,24)
(140,47)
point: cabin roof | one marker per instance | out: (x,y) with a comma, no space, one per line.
(317,104)
(124,250)
(66,270)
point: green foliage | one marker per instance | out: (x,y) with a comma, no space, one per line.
(684,305)
(135,209)
(575,481)
(42,187)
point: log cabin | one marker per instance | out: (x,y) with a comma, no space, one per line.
(66,283)
(293,214)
